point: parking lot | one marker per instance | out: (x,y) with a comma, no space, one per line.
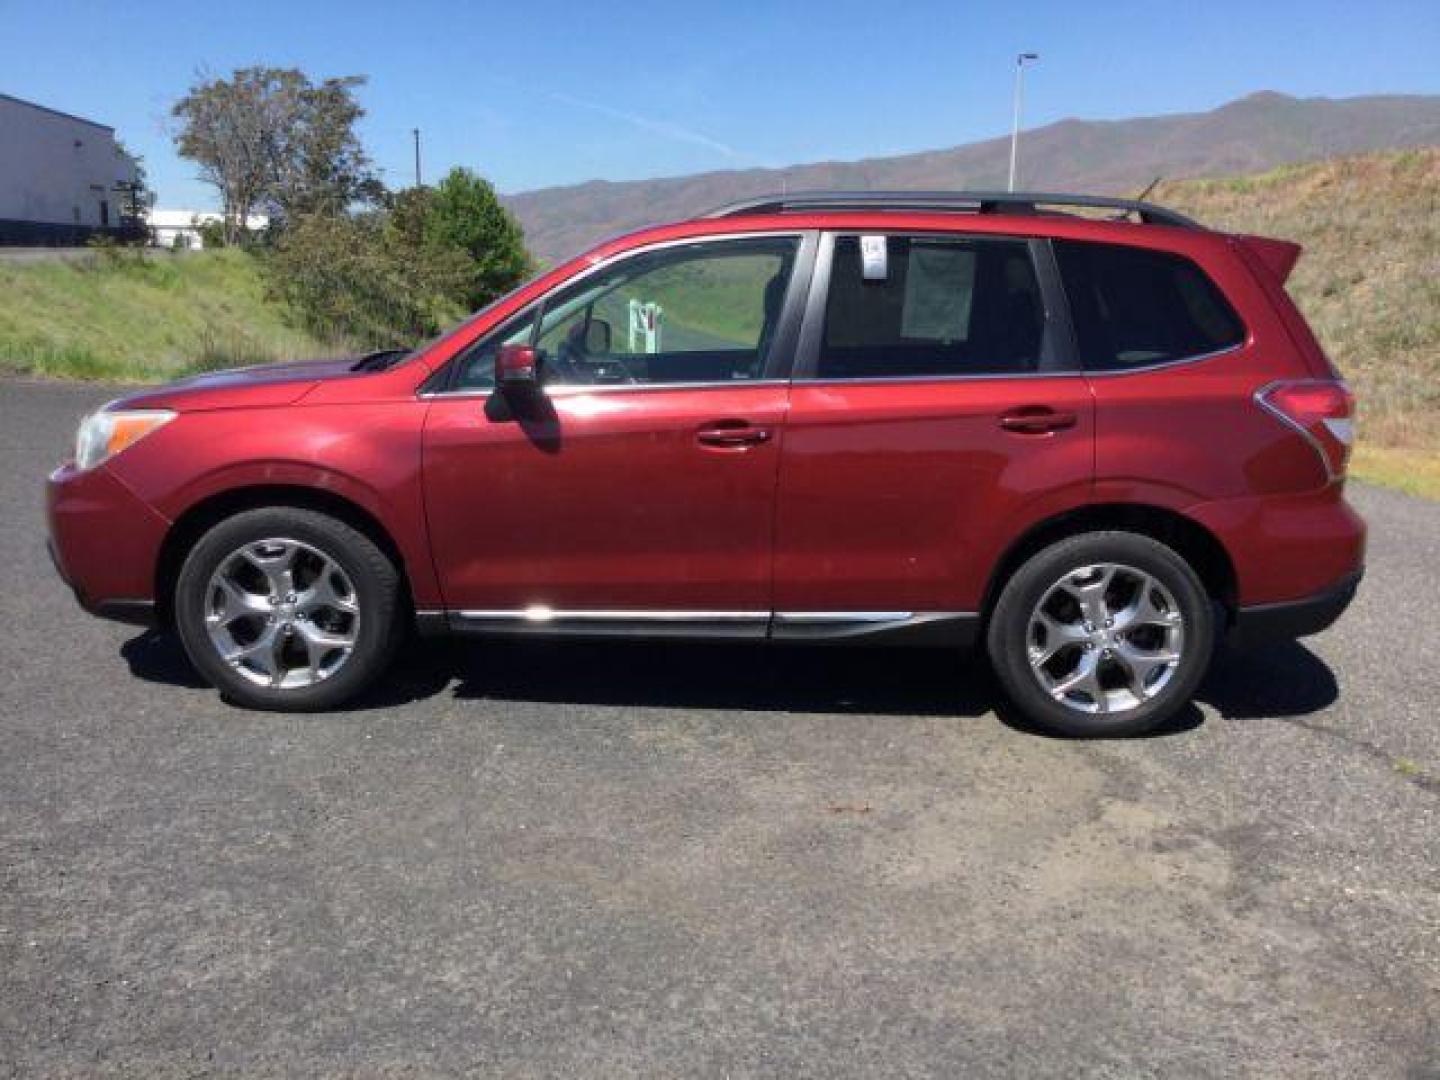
(637,860)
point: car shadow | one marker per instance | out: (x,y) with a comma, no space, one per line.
(156,656)
(1284,680)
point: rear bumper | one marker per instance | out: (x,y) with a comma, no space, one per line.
(1287,549)
(1292,619)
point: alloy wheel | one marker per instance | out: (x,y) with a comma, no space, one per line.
(282,613)
(1105,638)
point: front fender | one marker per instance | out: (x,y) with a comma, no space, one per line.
(367,454)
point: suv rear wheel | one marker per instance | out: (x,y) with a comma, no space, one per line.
(1106,633)
(288,609)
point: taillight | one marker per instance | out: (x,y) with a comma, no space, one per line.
(1322,410)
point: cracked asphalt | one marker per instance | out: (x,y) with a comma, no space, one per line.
(638,861)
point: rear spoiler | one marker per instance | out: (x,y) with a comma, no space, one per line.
(1271,262)
(1278,256)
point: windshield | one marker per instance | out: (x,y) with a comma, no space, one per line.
(468,319)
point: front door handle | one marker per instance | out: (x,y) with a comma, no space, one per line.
(731,435)
(1037,420)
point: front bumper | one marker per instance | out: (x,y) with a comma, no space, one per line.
(1292,619)
(105,543)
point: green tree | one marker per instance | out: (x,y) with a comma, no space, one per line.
(464,214)
(270,138)
(321,167)
(370,278)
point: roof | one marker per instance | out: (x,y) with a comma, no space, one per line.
(1008,223)
(972,202)
(56,112)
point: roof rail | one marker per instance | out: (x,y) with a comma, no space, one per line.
(974,202)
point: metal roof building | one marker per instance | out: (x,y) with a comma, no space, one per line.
(61,176)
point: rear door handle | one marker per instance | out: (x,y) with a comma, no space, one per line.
(731,435)
(1037,420)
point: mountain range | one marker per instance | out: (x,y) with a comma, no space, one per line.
(1248,135)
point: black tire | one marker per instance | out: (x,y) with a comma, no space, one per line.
(1008,638)
(377,592)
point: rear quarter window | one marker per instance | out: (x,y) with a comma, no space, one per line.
(1133,307)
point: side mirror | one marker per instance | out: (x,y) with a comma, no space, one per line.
(597,338)
(517,367)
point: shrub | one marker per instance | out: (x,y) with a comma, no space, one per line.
(211,230)
(370,278)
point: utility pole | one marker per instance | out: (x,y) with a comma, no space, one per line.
(1020,59)
(417,156)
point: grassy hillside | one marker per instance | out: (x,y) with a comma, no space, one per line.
(130,318)
(1369,283)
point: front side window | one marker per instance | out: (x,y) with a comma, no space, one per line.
(476,366)
(1133,307)
(703,312)
(942,306)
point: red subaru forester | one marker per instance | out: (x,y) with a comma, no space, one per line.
(1092,443)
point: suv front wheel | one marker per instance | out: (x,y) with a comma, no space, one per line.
(1106,633)
(288,609)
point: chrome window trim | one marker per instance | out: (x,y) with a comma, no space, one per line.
(1078,373)
(889,380)
(1160,365)
(571,389)
(600,264)
(574,389)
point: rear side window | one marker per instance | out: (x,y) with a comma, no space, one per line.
(1133,307)
(944,306)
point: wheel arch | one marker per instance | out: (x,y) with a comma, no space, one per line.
(210,511)
(1192,541)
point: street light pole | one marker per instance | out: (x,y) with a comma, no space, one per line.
(1020,59)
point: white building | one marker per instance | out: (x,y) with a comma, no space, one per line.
(181,228)
(60,176)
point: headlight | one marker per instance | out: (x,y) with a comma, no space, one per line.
(104,434)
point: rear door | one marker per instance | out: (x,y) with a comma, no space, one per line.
(935,412)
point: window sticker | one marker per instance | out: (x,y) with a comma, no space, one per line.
(939,285)
(874,261)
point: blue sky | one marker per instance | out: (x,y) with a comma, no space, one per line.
(546,93)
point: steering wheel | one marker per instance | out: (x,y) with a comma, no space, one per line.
(566,364)
(576,365)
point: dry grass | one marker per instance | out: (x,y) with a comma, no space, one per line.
(1369,284)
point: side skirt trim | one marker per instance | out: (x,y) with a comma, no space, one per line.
(547,622)
(949,629)
(946,629)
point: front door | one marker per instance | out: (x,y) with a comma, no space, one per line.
(935,411)
(639,485)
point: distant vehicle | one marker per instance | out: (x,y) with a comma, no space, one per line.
(1090,444)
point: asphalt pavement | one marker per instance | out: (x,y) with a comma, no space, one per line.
(630,860)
